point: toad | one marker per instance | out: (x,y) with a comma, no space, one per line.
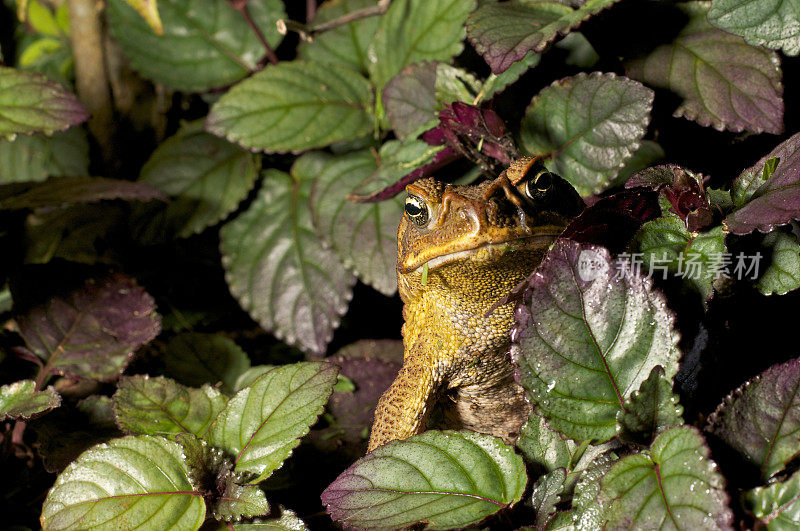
(461,249)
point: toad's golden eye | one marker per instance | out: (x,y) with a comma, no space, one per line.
(417,210)
(539,186)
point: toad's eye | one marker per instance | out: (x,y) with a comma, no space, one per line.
(416,210)
(538,187)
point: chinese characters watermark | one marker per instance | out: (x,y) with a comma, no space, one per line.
(693,266)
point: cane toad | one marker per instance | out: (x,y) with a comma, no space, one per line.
(460,250)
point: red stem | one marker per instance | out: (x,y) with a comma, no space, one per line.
(241,7)
(311,10)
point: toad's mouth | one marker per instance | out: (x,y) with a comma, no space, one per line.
(483,252)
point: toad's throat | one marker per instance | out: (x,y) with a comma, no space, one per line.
(486,250)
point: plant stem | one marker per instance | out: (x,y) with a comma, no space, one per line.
(91,80)
(18,432)
(306,31)
(311,10)
(371,11)
(241,7)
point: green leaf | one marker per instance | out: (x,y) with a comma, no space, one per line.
(278,269)
(6,303)
(363,235)
(30,103)
(69,431)
(417,30)
(239,501)
(42,20)
(561,521)
(345,45)
(667,246)
(588,511)
(86,234)
(767,193)
(544,447)
(673,485)
(547,493)
(589,125)
(287,521)
(503,33)
(148,9)
(194,359)
(769,168)
(580,51)
(447,479)
(293,107)
(454,84)
(60,191)
(98,409)
(21,400)
(497,83)
(369,366)
(263,423)
(586,337)
(204,44)
(34,158)
(648,153)
(93,331)
(720,200)
(116,485)
(344,385)
(650,410)
(724,82)
(249,376)
(49,56)
(413,97)
(783,273)
(161,406)
(761,419)
(771,23)
(776,506)
(207,176)
(211,473)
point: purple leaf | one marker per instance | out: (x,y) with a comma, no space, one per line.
(587,334)
(761,419)
(674,485)
(278,269)
(447,479)
(612,221)
(59,191)
(682,189)
(93,331)
(68,432)
(371,365)
(31,103)
(476,133)
(503,33)
(761,204)
(373,255)
(724,82)
(410,98)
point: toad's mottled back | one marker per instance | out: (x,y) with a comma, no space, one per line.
(460,250)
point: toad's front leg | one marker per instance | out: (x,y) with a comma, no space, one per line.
(404,408)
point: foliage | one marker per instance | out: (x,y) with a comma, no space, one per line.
(199,236)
